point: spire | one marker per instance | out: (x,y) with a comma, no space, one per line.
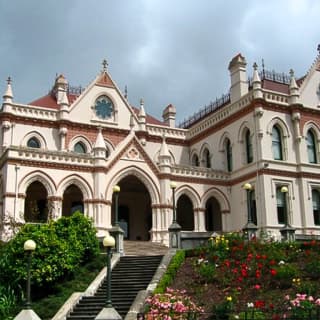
(164,157)
(293,89)
(104,65)
(8,96)
(142,116)
(142,113)
(99,144)
(256,83)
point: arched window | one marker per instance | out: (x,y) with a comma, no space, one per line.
(33,143)
(229,155)
(195,160)
(316,206)
(277,143)
(249,149)
(206,158)
(311,147)
(281,205)
(79,147)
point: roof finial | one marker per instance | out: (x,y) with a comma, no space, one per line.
(126,92)
(255,66)
(9,80)
(104,65)
(291,72)
(318,48)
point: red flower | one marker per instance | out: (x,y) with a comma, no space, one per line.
(258,274)
(259,304)
(273,272)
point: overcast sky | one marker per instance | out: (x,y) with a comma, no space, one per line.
(165,51)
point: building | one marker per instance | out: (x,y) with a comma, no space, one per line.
(67,150)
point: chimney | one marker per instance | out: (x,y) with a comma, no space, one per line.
(169,116)
(238,74)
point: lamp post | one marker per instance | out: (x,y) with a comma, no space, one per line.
(116,190)
(116,230)
(250,228)
(287,232)
(174,228)
(108,312)
(29,246)
(173,187)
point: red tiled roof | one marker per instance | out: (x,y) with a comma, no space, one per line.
(275,86)
(49,101)
(149,119)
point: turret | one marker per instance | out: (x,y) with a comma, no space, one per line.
(238,74)
(256,83)
(164,157)
(294,94)
(7,97)
(99,149)
(142,116)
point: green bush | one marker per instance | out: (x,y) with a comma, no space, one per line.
(171,271)
(61,246)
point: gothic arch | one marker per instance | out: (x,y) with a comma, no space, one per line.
(219,195)
(34,134)
(47,182)
(282,125)
(191,193)
(242,130)
(313,126)
(224,136)
(80,139)
(140,175)
(77,181)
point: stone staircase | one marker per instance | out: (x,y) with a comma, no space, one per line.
(131,274)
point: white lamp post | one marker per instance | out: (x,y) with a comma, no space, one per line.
(174,228)
(250,228)
(287,232)
(108,312)
(29,246)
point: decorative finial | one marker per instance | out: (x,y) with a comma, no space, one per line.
(141,102)
(126,92)
(291,72)
(9,80)
(318,48)
(255,66)
(104,65)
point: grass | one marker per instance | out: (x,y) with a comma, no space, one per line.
(46,307)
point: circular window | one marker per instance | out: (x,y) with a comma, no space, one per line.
(103,107)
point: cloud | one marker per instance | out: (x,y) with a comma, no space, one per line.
(164,51)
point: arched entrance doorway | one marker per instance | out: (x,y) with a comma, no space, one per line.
(213,215)
(185,216)
(36,204)
(72,201)
(135,213)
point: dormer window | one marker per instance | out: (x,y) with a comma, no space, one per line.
(103,107)
(33,143)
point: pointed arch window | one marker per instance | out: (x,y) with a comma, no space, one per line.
(79,147)
(229,155)
(277,143)
(195,160)
(206,156)
(249,149)
(33,143)
(311,147)
(316,206)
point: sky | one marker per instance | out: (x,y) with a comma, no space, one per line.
(164,51)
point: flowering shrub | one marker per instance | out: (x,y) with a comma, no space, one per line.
(254,273)
(302,307)
(173,304)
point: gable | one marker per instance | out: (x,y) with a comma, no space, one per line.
(310,88)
